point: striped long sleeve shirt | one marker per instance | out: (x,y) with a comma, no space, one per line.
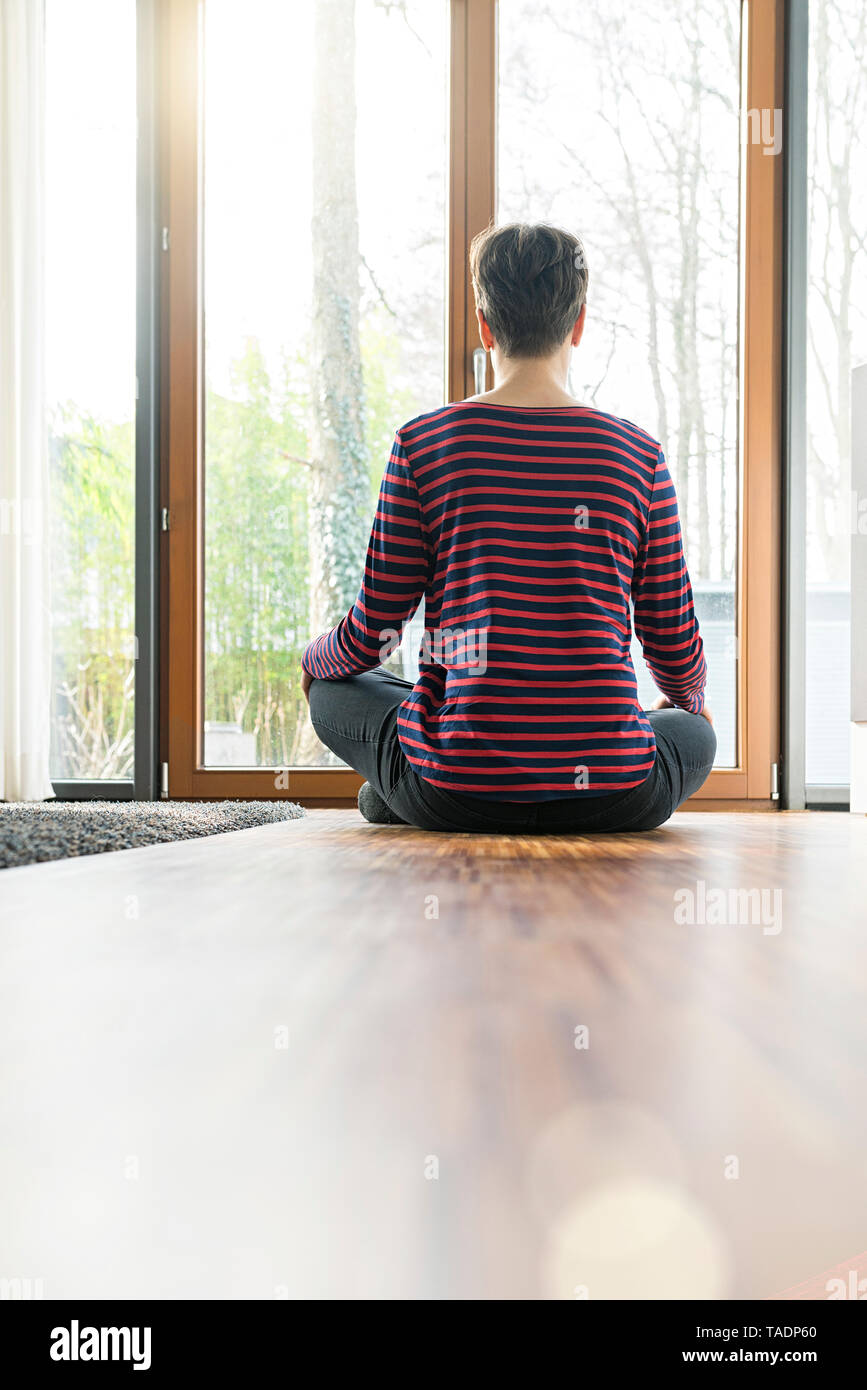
(531,533)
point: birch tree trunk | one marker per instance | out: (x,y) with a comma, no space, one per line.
(340,484)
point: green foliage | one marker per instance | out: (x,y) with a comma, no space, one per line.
(256,556)
(92,595)
(256,589)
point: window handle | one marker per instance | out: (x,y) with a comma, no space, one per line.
(480,369)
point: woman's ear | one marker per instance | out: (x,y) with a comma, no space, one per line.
(578,330)
(485,333)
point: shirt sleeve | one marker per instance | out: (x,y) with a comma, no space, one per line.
(663,605)
(396,572)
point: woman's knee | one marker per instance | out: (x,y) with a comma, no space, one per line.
(686,746)
(330,705)
(702,754)
(691,735)
(706,736)
(316,699)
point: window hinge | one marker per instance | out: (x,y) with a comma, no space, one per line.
(164,519)
(775,781)
(164,781)
(165,238)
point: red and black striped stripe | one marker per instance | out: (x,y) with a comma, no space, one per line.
(532,530)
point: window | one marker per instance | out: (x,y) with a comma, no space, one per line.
(641,157)
(324,328)
(836,342)
(316,295)
(90,379)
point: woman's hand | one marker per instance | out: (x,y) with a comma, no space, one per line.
(663,702)
(306,682)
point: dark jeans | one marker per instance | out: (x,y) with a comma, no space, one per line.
(357,719)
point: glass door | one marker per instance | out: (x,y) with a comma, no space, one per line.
(836,314)
(327,167)
(323,305)
(621,122)
(90,374)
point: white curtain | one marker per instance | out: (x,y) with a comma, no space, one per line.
(25,620)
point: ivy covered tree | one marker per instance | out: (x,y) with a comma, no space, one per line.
(340,481)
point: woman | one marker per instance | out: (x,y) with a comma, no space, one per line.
(528,522)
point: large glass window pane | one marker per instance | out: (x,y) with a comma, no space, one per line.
(325,147)
(90,380)
(620,121)
(836,342)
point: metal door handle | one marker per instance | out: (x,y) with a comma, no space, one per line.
(480,369)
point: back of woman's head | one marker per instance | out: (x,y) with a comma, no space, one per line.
(530,282)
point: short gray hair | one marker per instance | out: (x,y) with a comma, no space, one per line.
(530,282)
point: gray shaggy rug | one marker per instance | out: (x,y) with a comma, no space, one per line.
(34,831)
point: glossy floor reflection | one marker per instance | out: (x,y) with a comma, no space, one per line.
(329,1059)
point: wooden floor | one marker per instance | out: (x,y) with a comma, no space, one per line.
(323,1058)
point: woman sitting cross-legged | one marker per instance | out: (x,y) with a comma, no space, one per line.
(529,523)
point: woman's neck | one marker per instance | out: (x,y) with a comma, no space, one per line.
(539,381)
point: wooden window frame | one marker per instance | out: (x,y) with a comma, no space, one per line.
(472,203)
